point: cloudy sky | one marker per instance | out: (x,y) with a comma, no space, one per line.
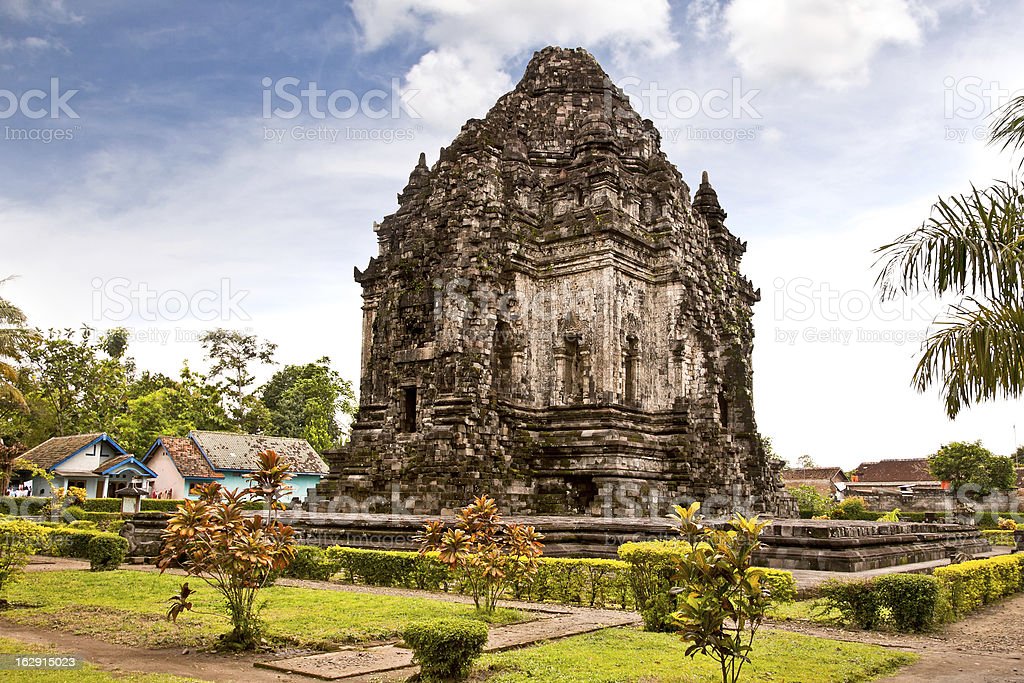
(160,170)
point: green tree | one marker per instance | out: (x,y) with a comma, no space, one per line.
(171,410)
(83,387)
(961,463)
(13,335)
(971,248)
(231,353)
(1018,456)
(305,401)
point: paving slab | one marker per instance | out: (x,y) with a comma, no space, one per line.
(359,662)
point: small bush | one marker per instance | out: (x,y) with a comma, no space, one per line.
(105,521)
(856,601)
(19,540)
(106,552)
(445,648)
(781,585)
(652,571)
(854,508)
(312,563)
(68,542)
(911,600)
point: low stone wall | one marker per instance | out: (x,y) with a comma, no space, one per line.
(828,545)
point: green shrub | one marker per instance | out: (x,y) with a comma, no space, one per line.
(19,507)
(579,581)
(312,563)
(68,542)
(102,505)
(911,600)
(969,585)
(445,648)
(19,540)
(999,537)
(856,601)
(854,508)
(105,521)
(781,584)
(83,524)
(106,551)
(391,568)
(652,570)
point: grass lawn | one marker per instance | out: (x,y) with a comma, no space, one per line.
(801,610)
(621,655)
(128,608)
(87,674)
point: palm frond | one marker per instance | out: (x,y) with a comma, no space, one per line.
(971,244)
(1008,128)
(977,354)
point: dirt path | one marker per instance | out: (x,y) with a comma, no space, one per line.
(987,647)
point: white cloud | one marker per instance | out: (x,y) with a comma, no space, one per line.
(463,70)
(55,11)
(830,43)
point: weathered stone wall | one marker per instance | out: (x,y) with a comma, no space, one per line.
(552,320)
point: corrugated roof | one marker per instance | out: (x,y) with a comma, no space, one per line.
(230,451)
(57,448)
(187,458)
(895,471)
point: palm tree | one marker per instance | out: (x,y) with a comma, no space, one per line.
(12,332)
(971,247)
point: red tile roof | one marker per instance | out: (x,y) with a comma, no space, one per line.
(187,458)
(895,471)
(808,473)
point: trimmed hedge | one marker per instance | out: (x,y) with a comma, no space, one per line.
(445,648)
(650,569)
(106,551)
(906,602)
(999,537)
(19,507)
(974,583)
(567,581)
(913,602)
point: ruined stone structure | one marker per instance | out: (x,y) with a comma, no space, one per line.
(554,321)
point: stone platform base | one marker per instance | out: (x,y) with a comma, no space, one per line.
(788,543)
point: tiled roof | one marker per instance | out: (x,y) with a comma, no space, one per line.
(229,451)
(895,471)
(187,458)
(112,462)
(807,473)
(52,451)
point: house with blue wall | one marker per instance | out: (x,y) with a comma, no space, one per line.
(94,462)
(181,463)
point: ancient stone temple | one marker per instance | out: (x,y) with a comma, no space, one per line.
(553,320)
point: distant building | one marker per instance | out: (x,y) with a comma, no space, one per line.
(906,484)
(94,462)
(828,481)
(181,463)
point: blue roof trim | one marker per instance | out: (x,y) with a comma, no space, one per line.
(129,461)
(102,437)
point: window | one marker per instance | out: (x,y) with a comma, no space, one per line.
(632,358)
(723,408)
(76,484)
(409,409)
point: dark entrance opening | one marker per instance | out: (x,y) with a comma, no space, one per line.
(408,409)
